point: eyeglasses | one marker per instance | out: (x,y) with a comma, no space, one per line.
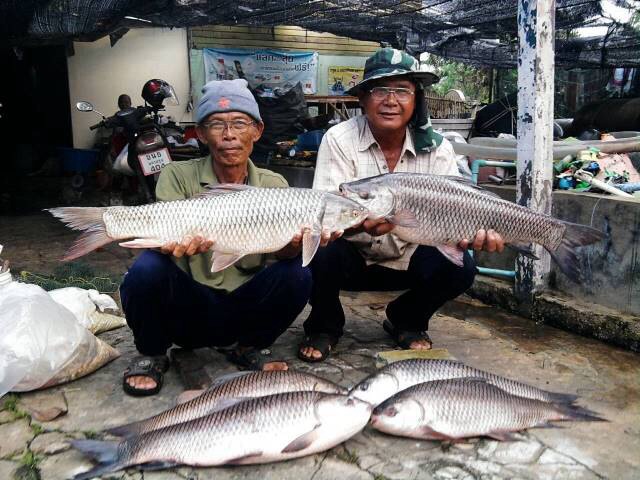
(219,126)
(403,95)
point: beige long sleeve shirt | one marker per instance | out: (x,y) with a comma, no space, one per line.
(350,152)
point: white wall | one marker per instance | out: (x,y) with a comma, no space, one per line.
(99,73)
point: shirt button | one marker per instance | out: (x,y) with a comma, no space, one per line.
(384,167)
(401,161)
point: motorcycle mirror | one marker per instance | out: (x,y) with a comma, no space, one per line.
(84,106)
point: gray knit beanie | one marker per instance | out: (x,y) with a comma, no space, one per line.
(220,96)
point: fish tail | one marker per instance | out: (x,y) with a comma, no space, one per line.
(105,453)
(90,221)
(580,414)
(575,235)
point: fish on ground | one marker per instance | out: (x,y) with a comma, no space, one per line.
(441,211)
(398,376)
(467,407)
(240,219)
(259,430)
(229,390)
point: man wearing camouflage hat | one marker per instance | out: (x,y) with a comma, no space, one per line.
(393,135)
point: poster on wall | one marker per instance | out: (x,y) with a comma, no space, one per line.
(267,70)
(341,79)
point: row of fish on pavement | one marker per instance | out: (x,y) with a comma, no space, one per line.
(262,417)
(426,209)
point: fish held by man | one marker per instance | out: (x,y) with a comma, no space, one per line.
(467,407)
(240,219)
(403,374)
(260,430)
(442,210)
(227,391)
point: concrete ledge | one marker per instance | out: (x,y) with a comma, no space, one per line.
(552,308)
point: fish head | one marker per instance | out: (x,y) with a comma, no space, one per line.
(342,412)
(341,213)
(374,193)
(376,388)
(398,414)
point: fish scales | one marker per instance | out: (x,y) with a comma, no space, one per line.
(449,210)
(259,430)
(403,374)
(263,217)
(466,407)
(254,384)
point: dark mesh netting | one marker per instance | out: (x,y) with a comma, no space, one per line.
(481,32)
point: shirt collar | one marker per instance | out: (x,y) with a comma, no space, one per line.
(367,140)
(208,177)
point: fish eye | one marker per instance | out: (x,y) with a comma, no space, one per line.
(355,213)
(364,195)
(364,387)
(390,412)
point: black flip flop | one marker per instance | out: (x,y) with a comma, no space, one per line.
(323,342)
(251,359)
(145,366)
(404,338)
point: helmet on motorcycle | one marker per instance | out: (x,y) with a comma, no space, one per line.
(156,91)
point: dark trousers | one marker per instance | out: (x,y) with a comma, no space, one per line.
(431,280)
(165,306)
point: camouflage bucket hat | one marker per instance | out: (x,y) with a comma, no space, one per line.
(389,62)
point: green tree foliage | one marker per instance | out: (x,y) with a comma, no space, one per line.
(474,82)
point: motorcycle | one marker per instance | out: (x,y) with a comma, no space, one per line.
(149,146)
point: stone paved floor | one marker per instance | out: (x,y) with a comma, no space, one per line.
(606,378)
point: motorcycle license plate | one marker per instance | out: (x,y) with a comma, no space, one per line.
(153,162)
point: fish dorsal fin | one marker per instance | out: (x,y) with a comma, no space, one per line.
(227,378)
(223,260)
(213,190)
(468,183)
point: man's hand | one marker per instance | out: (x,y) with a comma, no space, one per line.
(489,241)
(374,228)
(294,247)
(188,246)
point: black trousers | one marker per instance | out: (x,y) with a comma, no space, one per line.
(165,306)
(431,280)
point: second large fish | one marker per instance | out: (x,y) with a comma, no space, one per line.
(226,393)
(443,210)
(240,219)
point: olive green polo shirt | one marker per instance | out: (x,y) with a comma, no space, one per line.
(184,179)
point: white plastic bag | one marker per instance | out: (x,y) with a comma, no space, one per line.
(41,342)
(89,307)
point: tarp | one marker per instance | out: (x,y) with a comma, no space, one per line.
(478,32)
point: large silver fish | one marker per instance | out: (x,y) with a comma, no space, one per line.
(466,407)
(224,393)
(240,219)
(441,211)
(260,430)
(397,376)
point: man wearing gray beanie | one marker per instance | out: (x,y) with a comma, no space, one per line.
(171,296)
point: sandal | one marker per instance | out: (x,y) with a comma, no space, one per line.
(404,338)
(145,366)
(323,342)
(251,359)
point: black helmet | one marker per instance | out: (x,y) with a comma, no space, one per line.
(156,91)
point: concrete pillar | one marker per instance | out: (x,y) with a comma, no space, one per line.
(536,32)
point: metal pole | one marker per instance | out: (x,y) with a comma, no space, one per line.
(536,32)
